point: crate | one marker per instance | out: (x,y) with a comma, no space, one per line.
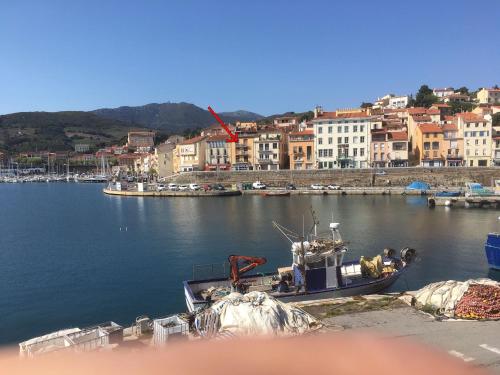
(165,329)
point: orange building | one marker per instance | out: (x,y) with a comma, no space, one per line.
(301,149)
(429,145)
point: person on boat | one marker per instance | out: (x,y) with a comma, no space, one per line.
(283,286)
(298,274)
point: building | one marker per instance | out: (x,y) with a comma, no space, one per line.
(217,129)
(243,152)
(217,153)
(477,135)
(128,162)
(429,145)
(189,155)
(165,156)
(442,92)
(398,102)
(488,96)
(286,121)
(388,148)
(342,138)
(453,145)
(270,149)
(301,149)
(82,147)
(246,126)
(141,141)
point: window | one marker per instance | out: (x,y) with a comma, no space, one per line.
(375,146)
(355,128)
(476,142)
(320,141)
(320,153)
(361,128)
(382,146)
(275,145)
(362,139)
(435,145)
(339,140)
(484,141)
(330,152)
(427,146)
(320,130)
(361,152)
(330,140)
(346,139)
(346,129)
(354,152)
(330,129)
(339,129)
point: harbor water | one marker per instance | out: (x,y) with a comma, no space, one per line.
(72,256)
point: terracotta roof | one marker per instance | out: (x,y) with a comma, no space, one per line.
(441,105)
(421,118)
(304,132)
(432,111)
(430,128)
(449,118)
(190,141)
(334,115)
(217,138)
(449,127)
(398,136)
(416,110)
(470,117)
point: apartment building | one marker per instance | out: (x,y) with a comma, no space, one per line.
(164,154)
(488,96)
(217,153)
(388,148)
(243,152)
(189,155)
(429,145)
(341,138)
(141,141)
(477,135)
(270,150)
(442,92)
(301,149)
(286,122)
(453,145)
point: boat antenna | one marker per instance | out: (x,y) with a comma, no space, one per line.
(315,222)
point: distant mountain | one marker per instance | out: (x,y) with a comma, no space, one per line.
(172,117)
(59,131)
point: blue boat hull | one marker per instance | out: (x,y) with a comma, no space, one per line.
(492,249)
(448,194)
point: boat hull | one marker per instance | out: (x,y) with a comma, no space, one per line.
(492,249)
(370,287)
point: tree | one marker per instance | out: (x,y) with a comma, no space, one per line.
(425,97)
(496,119)
(366,105)
(457,107)
(307,116)
(463,90)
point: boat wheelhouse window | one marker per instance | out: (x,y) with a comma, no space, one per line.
(318,264)
(330,261)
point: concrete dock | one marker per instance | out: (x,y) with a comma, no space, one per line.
(492,201)
(474,342)
(169,193)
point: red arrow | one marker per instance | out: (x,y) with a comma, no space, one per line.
(232,137)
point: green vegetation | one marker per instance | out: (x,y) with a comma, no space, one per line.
(496,119)
(366,105)
(461,107)
(425,97)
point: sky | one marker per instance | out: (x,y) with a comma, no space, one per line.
(263,56)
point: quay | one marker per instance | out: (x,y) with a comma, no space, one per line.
(492,201)
(168,193)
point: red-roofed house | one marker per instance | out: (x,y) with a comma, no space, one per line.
(429,145)
(453,146)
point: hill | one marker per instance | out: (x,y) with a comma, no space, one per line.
(172,117)
(58,131)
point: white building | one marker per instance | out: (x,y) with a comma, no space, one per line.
(342,138)
(477,134)
(396,102)
(442,92)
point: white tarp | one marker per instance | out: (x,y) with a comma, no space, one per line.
(257,313)
(444,295)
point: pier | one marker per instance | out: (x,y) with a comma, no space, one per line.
(492,201)
(169,193)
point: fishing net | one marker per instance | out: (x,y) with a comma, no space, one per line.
(479,302)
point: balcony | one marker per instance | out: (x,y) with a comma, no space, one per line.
(241,146)
(265,161)
(266,152)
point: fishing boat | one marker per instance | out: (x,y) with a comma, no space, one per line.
(276,194)
(317,271)
(492,249)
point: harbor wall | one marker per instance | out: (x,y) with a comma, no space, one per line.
(443,177)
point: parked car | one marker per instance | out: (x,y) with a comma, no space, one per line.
(317,187)
(333,187)
(217,187)
(161,187)
(380,172)
(194,187)
(183,187)
(290,186)
(258,185)
(173,187)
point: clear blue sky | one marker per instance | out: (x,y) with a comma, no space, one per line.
(261,55)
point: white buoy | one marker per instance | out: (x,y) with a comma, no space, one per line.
(447,203)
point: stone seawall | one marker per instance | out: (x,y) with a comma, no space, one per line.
(456,177)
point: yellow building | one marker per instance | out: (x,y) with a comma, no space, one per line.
(429,145)
(243,152)
(301,149)
(477,133)
(270,150)
(488,96)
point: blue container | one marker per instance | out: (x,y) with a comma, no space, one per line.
(492,248)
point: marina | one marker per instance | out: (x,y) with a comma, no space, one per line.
(84,232)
